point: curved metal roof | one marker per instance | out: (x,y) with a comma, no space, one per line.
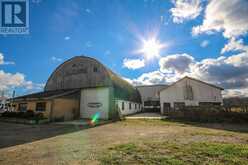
(78,72)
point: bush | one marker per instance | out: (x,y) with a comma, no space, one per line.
(39,116)
(200,114)
(25,115)
(29,114)
(9,114)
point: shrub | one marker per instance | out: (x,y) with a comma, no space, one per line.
(200,114)
(9,114)
(25,115)
(29,114)
(39,116)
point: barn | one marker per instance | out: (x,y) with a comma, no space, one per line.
(80,88)
(189,92)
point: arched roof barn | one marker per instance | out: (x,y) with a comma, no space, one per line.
(85,72)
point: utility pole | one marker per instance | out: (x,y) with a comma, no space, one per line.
(12,100)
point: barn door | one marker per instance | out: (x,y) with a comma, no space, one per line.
(166,108)
(94,101)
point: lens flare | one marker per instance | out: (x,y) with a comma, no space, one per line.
(151,48)
(95,118)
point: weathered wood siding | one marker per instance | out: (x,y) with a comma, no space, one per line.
(79,72)
(65,109)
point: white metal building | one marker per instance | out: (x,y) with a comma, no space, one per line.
(150,97)
(190,92)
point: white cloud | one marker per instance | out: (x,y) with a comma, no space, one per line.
(154,77)
(1,58)
(17,80)
(88,44)
(133,63)
(185,10)
(175,63)
(234,45)
(88,10)
(29,85)
(2,62)
(235,92)
(56,59)
(204,43)
(228,72)
(238,60)
(107,52)
(67,38)
(227,17)
(9,80)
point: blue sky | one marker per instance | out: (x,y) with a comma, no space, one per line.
(203,39)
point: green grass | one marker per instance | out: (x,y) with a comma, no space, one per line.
(177,154)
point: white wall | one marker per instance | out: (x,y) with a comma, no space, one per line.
(201,92)
(126,110)
(150,92)
(91,97)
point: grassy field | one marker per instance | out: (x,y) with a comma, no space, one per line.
(126,142)
(174,153)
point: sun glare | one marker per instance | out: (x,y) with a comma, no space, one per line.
(151,48)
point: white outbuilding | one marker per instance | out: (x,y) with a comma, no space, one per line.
(150,97)
(189,92)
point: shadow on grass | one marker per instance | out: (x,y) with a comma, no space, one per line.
(234,127)
(12,134)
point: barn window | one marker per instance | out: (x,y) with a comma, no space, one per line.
(95,69)
(188,92)
(122,106)
(130,106)
(41,106)
(179,105)
(23,107)
(166,107)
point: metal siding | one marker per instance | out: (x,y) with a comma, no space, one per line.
(96,95)
(201,91)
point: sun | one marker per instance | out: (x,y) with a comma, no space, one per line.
(151,48)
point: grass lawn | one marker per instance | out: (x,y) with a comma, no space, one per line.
(131,142)
(178,154)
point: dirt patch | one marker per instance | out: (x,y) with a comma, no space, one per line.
(73,145)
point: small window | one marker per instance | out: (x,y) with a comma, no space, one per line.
(179,105)
(23,107)
(130,106)
(95,69)
(135,106)
(41,106)
(122,106)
